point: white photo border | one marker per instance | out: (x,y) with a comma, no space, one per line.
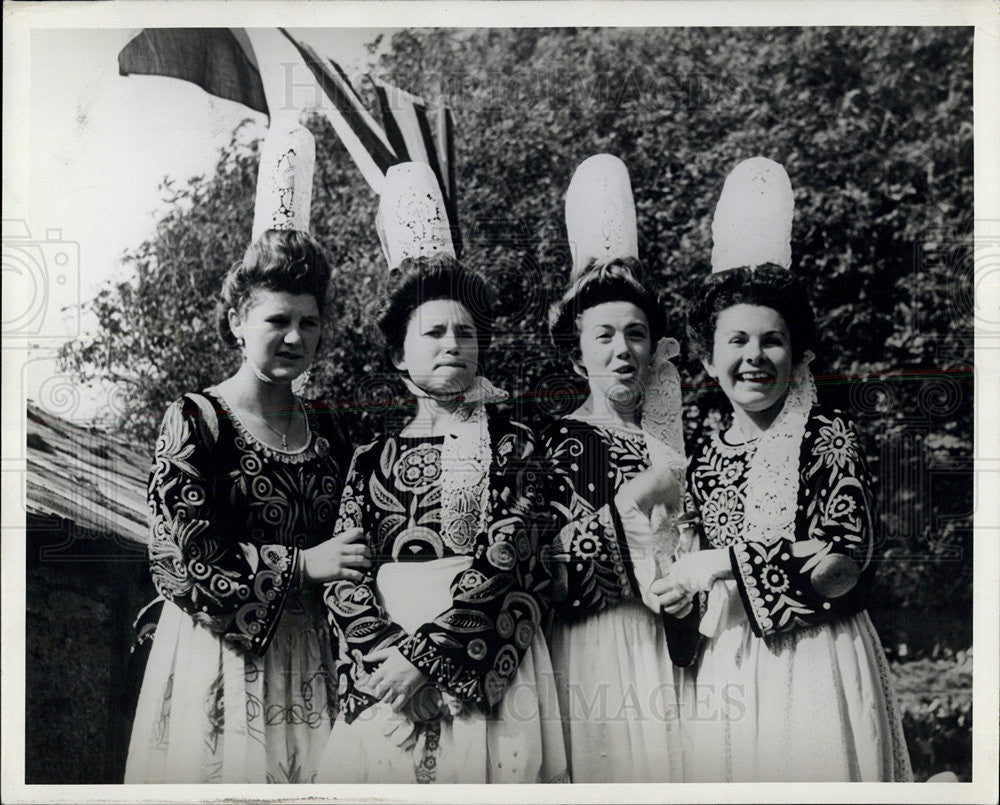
(22,18)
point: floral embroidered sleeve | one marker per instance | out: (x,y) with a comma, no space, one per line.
(826,572)
(236,589)
(587,552)
(473,648)
(358,623)
(694,497)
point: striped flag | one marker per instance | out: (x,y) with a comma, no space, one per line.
(242,65)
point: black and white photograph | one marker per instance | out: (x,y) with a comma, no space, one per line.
(514,398)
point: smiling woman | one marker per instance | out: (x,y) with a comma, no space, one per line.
(788,525)
(750,332)
(752,360)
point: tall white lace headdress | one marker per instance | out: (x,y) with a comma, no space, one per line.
(284,178)
(753,217)
(601,227)
(752,227)
(600,214)
(412,221)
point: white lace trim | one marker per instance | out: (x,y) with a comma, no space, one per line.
(773,472)
(662,414)
(663,426)
(466,455)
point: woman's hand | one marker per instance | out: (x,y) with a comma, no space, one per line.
(342,557)
(396,679)
(400,729)
(652,486)
(672,599)
(697,571)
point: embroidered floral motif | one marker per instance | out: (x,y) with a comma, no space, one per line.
(588,556)
(226,518)
(418,468)
(460,650)
(841,507)
(835,443)
(507,661)
(775,579)
(722,516)
(584,545)
(471,580)
(731,472)
(833,507)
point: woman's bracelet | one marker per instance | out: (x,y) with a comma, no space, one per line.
(300,570)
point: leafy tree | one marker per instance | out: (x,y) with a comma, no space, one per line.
(874,126)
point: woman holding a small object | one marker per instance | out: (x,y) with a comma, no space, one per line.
(792,681)
(617,489)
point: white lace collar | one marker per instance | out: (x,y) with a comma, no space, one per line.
(466,456)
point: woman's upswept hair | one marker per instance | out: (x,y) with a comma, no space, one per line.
(620,280)
(424,279)
(767,285)
(279,260)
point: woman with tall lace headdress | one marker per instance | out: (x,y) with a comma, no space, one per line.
(617,490)
(242,498)
(792,683)
(444,673)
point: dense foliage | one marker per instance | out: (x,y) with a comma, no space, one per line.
(874,126)
(935,698)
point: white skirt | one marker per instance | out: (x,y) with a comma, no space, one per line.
(621,697)
(210,713)
(807,705)
(522,743)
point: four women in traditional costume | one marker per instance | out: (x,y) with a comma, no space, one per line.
(424,658)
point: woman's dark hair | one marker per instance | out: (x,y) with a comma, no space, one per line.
(767,285)
(279,260)
(619,280)
(425,279)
